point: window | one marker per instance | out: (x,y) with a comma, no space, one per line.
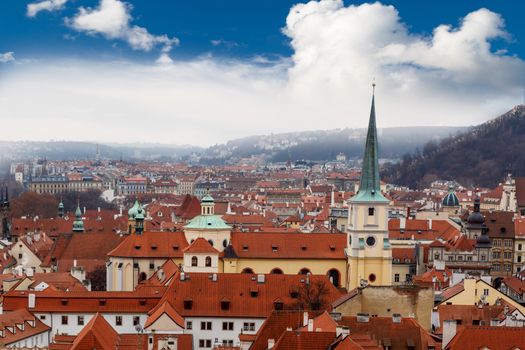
(42,317)
(396,277)
(189,325)
(118,320)
(408,277)
(496,255)
(436,256)
(507,255)
(372,277)
(370,211)
(469,258)
(152,265)
(64,320)
(248,326)
(227,342)
(205,326)
(80,320)
(483,257)
(460,257)
(208,261)
(227,326)
(136,320)
(519,258)
(519,246)
(450,258)
(194,261)
(204,343)
(188,303)
(486,292)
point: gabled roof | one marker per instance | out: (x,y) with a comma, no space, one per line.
(96,334)
(200,245)
(165,309)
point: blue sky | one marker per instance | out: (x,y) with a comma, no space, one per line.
(247,27)
(209,71)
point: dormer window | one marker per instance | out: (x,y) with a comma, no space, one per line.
(188,304)
(278,305)
(175,247)
(274,248)
(194,261)
(245,247)
(154,247)
(102,302)
(225,304)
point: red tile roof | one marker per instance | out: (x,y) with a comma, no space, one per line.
(31,326)
(475,337)
(246,296)
(289,245)
(152,245)
(141,300)
(398,335)
(293,340)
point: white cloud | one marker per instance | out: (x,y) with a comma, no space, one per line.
(7,57)
(112,19)
(451,77)
(46,5)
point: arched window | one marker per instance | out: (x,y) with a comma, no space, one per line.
(225,243)
(247,270)
(334,277)
(208,261)
(194,261)
(305,271)
(276,271)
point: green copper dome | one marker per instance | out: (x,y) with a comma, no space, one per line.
(450,200)
(208,222)
(134,210)
(78,224)
(207,199)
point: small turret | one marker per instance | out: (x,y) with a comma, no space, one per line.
(61,209)
(78,224)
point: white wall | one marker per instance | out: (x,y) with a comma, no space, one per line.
(216,332)
(54,321)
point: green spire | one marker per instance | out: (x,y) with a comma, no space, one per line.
(370,186)
(78,224)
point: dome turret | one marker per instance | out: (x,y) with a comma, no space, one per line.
(476,218)
(134,210)
(78,224)
(450,200)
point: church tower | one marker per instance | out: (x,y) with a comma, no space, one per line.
(78,224)
(368,248)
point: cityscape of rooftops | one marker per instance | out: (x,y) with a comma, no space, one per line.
(262,175)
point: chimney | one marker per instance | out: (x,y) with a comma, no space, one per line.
(31,301)
(84,210)
(342,331)
(271,343)
(363,317)
(429,223)
(305,318)
(396,318)
(402,223)
(310,325)
(449,331)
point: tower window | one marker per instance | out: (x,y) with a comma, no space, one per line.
(370,211)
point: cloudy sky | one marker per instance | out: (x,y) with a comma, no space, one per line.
(185,73)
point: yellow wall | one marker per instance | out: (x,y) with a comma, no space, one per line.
(474,289)
(289,266)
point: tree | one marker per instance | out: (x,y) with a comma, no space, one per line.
(97,278)
(312,295)
(33,204)
(89,199)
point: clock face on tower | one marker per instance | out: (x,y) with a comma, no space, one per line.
(370,241)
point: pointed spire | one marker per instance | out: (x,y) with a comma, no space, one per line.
(370,185)
(78,224)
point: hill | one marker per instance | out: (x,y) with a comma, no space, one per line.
(323,145)
(478,157)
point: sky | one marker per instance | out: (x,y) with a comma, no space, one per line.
(204,72)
